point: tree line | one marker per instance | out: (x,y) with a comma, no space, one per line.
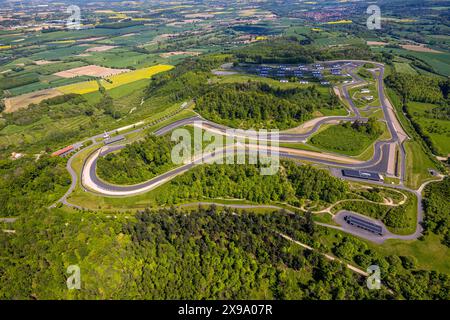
(422,89)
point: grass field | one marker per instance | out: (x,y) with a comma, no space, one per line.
(439,61)
(358,97)
(437,129)
(331,112)
(404,67)
(430,252)
(342,140)
(417,165)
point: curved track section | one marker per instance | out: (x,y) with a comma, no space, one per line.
(378,163)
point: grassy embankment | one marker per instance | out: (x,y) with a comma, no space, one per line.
(438,130)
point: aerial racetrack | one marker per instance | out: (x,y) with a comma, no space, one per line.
(379,162)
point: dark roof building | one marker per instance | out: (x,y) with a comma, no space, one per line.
(360,174)
(364,224)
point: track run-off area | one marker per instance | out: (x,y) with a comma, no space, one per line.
(381,161)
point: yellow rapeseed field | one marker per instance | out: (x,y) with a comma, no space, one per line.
(339,22)
(128,77)
(62,41)
(80,88)
(115,81)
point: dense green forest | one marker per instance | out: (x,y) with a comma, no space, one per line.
(205,254)
(245,105)
(290,50)
(137,162)
(419,87)
(256,105)
(29,184)
(291,184)
(209,253)
(437,209)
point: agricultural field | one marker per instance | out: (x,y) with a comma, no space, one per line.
(67,124)
(91,70)
(22,101)
(440,62)
(404,67)
(109,82)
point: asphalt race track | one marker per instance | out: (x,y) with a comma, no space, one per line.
(378,163)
